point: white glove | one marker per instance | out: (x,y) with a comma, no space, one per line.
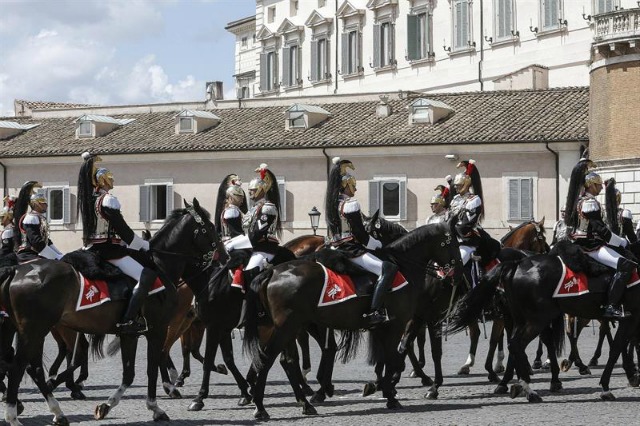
(617,241)
(373,244)
(139,244)
(448,178)
(50,253)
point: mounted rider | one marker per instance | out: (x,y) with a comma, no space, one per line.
(263,221)
(347,233)
(593,236)
(439,205)
(619,219)
(32,236)
(106,233)
(560,230)
(6,218)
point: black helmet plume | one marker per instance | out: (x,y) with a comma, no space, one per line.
(334,189)
(471,170)
(20,209)
(611,206)
(222,196)
(273,195)
(85,196)
(576,186)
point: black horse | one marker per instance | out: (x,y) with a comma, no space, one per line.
(44,293)
(284,300)
(528,286)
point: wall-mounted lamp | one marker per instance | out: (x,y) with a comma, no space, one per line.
(446,49)
(488,39)
(515,34)
(533,30)
(563,22)
(587,17)
(471,43)
(452,157)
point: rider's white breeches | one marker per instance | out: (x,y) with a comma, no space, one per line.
(606,256)
(465,253)
(238,242)
(129,266)
(369,262)
(260,259)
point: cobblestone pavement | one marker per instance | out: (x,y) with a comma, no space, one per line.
(464,400)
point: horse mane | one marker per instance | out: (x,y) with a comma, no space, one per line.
(408,240)
(513,231)
(175,216)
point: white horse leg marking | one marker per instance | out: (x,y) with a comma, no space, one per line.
(115,398)
(500,360)
(153,406)
(526,387)
(471,359)
(54,407)
(173,375)
(11,415)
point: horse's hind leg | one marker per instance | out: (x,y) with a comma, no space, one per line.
(474,336)
(435,338)
(547,338)
(303,342)
(604,331)
(213,336)
(290,362)
(496,335)
(128,347)
(326,340)
(258,375)
(517,345)
(226,347)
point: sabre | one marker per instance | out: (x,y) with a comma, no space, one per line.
(484,325)
(575,327)
(75,348)
(446,331)
(593,327)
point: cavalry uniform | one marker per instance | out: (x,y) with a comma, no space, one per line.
(7,240)
(437,217)
(625,220)
(592,233)
(560,232)
(261,223)
(467,209)
(353,240)
(35,241)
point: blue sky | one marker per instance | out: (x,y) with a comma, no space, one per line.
(113,52)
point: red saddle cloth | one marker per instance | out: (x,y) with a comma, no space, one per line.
(95,292)
(576,283)
(340,288)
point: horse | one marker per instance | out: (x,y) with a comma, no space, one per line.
(44,293)
(283,300)
(529,286)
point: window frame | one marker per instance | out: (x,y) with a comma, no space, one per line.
(48,189)
(269,70)
(420,43)
(191,129)
(291,65)
(384,52)
(351,52)
(146,199)
(596,8)
(271,14)
(520,177)
(498,20)
(320,59)
(559,10)
(376,195)
(466,45)
(82,134)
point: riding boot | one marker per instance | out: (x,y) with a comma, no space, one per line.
(378,315)
(616,289)
(129,325)
(247,277)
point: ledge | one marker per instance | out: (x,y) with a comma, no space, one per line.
(386,68)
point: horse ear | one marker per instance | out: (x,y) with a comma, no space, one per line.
(186,204)
(196,204)
(542,221)
(374,217)
(510,228)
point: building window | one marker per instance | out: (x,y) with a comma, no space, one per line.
(59,204)
(85,129)
(243,42)
(186,125)
(604,6)
(520,198)
(462,15)
(383,45)
(293,7)
(419,40)
(389,195)
(320,60)
(156,200)
(271,14)
(291,66)
(550,14)
(268,71)
(243,92)
(503,19)
(351,63)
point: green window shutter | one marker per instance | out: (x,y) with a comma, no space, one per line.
(66,206)
(526,199)
(286,66)
(314,60)
(427,33)
(514,199)
(374,196)
(282,189)
(145,210)
(169,199)
(376,45)
(403,200)
(264,78)
(344,67)
(412,38)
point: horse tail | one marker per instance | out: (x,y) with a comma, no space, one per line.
(255,314)
(96,342)
(6,276)
(468,309)
(376,349)
(114,346)
(348,346)
(557,333)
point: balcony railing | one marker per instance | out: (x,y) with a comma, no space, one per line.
(617,25)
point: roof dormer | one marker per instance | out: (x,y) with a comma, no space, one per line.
(427,111)
(9,129)
(192,122)
(300,116)
(93,126)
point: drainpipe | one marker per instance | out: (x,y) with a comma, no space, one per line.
(481,46)
(4,178)
(335,74)
(557,158)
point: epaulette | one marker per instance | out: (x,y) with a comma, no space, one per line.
(269,208)
(350,206)
(626,213)
(7,234)
(473,203)
(110,202)
(231,212)
(590,205)
(31,219)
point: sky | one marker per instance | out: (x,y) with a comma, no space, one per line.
(114,52)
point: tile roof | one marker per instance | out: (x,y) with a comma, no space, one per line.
(481,117)
(49,105)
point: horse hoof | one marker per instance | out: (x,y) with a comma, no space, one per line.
(432,394)
(175,394)
(547,365)
(245,400)
(500,369)
(306,389)
(555,387)
(426,381)
(493,378)
(634,382)
(161,417)
(537,364)
(464,370)
(101,411)
(329,391)
(80,385)
(393,404)
(78,395)
(222,369)
(593,362)
(501,389)
(179,383)
(318,397)
(607,396)
(585,371)
(309,410)
(61,421)
(369,389)
(515,391)
(196,406)
(261,415)
(19,407)
(534,398)
(565,365)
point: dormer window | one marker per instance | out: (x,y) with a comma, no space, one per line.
(427,111)
(93,126)
(12,128)
(193,121)
(305,116)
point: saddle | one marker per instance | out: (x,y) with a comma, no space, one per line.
(340,264)
(93,267)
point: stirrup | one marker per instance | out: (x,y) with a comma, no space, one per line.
(132,327)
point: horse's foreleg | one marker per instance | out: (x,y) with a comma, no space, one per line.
(620,341)
(15,372)
(435,339)
(537,362)
(474,336)
(303,342)
(213,336)
(290,362)
(155,360)
(326,340)
(226,347)
(603,332)
(547,337)
(128,347)
(517,345)
(259,374)
(497,331)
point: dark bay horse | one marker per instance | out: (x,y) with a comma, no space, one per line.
(284,300)
(528,286)
(44,293)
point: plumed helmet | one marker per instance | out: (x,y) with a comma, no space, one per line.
(230,187)
(470,177)
(611,202)
(262,183)
(441,197)
(592,178)
(7,210)
(22,204)
(339,179)
(577,184)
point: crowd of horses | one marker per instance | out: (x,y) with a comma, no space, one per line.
(281,312)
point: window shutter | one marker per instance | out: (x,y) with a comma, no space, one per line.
(357,59)
(403,200)
(297,79)
(374,196)
(344,66)
(327,60)
(239,93)
(376,45)
(427,32)
(526,199)
(66,206)
(314,60)
(286,66)
(276,75)
(464,7)
(392,44)
(499,19)
(169,199)
(508,17)
(412,37)
(264,82)
(283,199)
(144,204)
(457,25)
(514,199)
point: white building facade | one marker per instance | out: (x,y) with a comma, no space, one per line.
(322,47)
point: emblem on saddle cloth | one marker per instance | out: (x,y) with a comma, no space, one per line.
(576,283)
(96,292)
(340,288)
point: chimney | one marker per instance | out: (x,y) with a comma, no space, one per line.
(214,91)
(383,109)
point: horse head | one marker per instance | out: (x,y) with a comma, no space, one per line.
(529,236)
(383,230)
